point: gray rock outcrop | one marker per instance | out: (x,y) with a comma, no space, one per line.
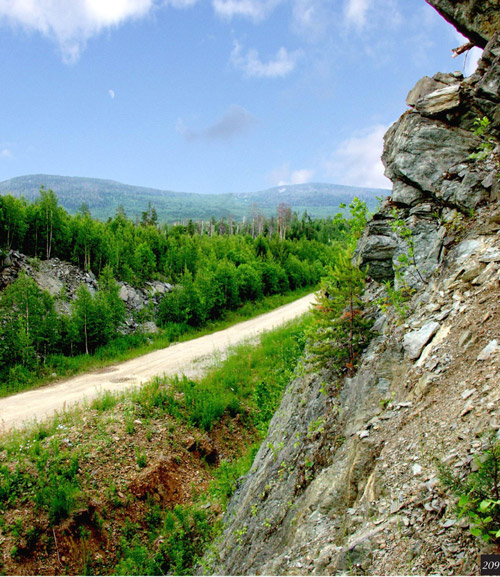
(62,280)
(429,157)
(347,480)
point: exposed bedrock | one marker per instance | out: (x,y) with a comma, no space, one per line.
(429,155)
(346,481)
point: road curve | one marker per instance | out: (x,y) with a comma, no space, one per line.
(187,358)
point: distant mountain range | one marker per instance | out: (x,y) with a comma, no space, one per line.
(104,197)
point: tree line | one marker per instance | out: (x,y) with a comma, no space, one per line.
(214,267)
(139,251)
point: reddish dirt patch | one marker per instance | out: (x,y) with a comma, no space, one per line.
(163,481)
(125,471)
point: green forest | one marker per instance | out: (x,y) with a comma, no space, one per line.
(214,266)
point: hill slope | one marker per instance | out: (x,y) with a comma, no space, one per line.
(104,197)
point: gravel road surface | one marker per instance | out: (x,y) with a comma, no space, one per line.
(189,358)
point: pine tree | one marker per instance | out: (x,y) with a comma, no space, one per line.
(341,329)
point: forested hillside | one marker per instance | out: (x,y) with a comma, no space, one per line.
(213,267)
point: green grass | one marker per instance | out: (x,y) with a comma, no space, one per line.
(53,476)
(248,383)
(132,346)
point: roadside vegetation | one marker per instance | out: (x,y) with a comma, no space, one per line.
(216,269)
(137,483)
(125,347)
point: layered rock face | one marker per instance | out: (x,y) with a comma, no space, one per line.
(429,157)
(347,481)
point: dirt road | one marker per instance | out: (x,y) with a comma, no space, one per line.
(188,358)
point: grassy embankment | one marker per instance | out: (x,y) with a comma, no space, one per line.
(137,483)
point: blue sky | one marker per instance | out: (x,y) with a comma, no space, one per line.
(212,95)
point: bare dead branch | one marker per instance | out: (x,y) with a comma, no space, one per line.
(461,49)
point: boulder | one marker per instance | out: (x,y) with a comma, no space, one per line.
(374,254)
(406,195)
(415,341)
(448,77)
(419,150)
(377,247)
(439,101)
(158,288)
(466,192)
(130,296)
(422,88)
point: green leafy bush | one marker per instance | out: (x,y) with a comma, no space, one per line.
(406,260)
(479,493)
(482,129)
(186,531)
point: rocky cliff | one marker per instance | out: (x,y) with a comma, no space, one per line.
(348,479)
(63,279)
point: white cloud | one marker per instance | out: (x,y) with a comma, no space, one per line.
(355,12)
(6,153)
(253,67)
(256,10)
(283,175)
(111,94)
(233,123)
(374,15)
(71,24)
(301,176)
(312,19)
(356,161)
